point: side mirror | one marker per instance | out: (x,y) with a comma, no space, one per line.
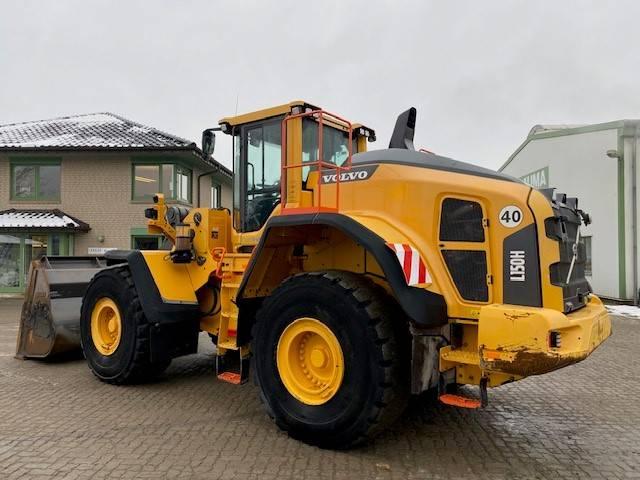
(209,141)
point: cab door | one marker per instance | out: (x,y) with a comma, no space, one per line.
(257,177)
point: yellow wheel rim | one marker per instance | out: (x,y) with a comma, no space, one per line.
(106,326)
(310,361)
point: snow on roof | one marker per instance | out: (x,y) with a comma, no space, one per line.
(94,130)
(54,219)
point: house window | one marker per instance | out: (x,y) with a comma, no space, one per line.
(183,184)
(587,262)
(146,242)
(37,180)
(146,181)
(216,196)
(174,181)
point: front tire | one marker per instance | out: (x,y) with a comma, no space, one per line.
(114,331)
(359,385)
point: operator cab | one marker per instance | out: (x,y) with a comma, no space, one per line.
(258,156)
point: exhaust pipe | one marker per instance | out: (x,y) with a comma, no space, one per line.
(402,136)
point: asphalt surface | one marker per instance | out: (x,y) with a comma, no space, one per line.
(58,421)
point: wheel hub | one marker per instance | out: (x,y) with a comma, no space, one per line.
(310,361)
(106,326)
(318,358)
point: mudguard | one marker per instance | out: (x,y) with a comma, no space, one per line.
(424,308)
(174,326)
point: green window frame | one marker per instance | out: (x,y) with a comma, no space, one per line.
(37,164)
(588,262)
(172,178)
(143,233)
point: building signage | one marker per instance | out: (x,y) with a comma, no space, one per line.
(99,250)
(538,178)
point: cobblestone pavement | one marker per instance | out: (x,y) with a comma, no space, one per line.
(58,421)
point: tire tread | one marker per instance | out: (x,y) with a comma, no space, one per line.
(140,368)
(385,330)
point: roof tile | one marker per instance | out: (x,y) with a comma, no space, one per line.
(95,130)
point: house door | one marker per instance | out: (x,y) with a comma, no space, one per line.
(10,264)
(18,250)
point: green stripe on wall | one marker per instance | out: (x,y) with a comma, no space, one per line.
(622,257)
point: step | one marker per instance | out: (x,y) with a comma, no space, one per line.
(460,401)
(230,377)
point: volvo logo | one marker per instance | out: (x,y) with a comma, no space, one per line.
(352,175)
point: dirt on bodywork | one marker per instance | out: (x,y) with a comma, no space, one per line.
(529,362)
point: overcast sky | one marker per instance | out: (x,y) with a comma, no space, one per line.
(481,74)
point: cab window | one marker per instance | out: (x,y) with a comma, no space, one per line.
(335,145)
(257,166)
(262,144)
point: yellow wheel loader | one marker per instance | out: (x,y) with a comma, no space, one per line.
(350,279)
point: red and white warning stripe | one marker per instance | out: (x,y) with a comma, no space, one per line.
(415,270)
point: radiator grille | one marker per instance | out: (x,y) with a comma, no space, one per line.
(461,221)
(469,271)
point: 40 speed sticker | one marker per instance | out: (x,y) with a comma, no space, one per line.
(510,216)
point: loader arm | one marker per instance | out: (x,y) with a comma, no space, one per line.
(157,220)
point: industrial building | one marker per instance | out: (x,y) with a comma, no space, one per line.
(598,165)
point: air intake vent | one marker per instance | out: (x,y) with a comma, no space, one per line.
(469,271)
(461,221)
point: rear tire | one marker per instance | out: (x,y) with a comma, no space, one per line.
(374,341)
(130,361)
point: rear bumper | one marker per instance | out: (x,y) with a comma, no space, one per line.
(516,340)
